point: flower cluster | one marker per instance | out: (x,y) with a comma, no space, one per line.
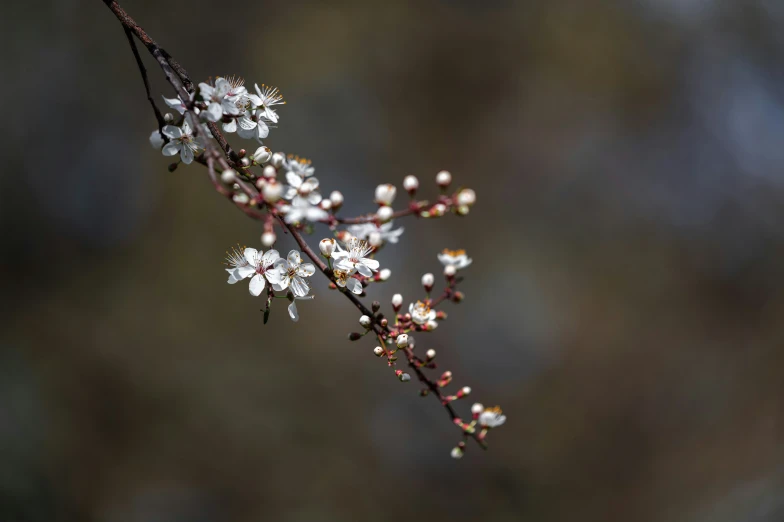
(282,191)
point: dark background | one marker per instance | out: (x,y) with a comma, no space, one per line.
(624,306)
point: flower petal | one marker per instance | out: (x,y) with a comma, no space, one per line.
(354,285)
(257,284)
(306,270)
(371,264)
(171,148)
(299,286)
(364,270)
(269,258)
(294,258)
(293,311)
(252,256)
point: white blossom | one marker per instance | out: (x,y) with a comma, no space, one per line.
(455,258)
(421,313)
(293,273)
(304,187)
(262,155)
(344,280)
(217,102)
(182,141)
(261,266)
(235,259)
(177,104)
(492,417)
(267,97)
(301,166)
(302,210)
(272,191)
(327,246)
(355,257)
(385,232)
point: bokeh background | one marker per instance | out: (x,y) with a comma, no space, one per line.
(624,307)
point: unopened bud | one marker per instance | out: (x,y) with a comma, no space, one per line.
(463,210)
(411,184)
(404,377)
(427,281)
(268,239)
(325,204)
(458,296)
(379,351)
(384,274)
(450,270)
(466,197)
(477,408)
(245,162)
(278,159)
(385,194)
(384,322)
(375,306)
(242,198)
(262,155)
(172,167)
(364,321)
(438,210)
(272,191)
(242,153)
(168,118)
(443,178)
(306,188)
(401,341)
(457,452)
(466,390)
(228,176)
(269,172)
(327,246)
(354,336)
(397,301)
(336,198)
(384,214)
(431,354)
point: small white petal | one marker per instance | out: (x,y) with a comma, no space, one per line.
(257,285)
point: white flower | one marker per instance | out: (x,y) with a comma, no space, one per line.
(385,232)
(293,307)
(385,194)
(182,141)
(272,191)
(355,257)
(217,102)
(293,273)
(421,313)
(302,210)
(236,260)
(269,266)
(344,280)
(267,97)
(444,178)
(237,89)
(304,187)
(297,165)
(455,258)
(249,126)
(156,140)
(492,417)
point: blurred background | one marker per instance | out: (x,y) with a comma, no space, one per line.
(624,305)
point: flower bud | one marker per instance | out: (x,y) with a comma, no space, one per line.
(431,354)
(272,191)
(427,281)
(384,214)
(404,377)
(458,296)
(457,452)
(438,210)
(173,166)
(477,408)
(384,322)
(241,198)
(336,198)
(325,204)
(379,351)
(262,155)
(375,306)
(384,274)
(354,336)
(411,184)
(278,159)
(374,239)
(450,270)
(268,239)
(269,172)
(245,162)
(466,390)
(385,194)
(466,197)
(228,176)
(365,321)
(168,117)
(397,301)
(443,178)
(327,246)
(463,210)
(242,153)
(260,183)
(402,341)
(306,188)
